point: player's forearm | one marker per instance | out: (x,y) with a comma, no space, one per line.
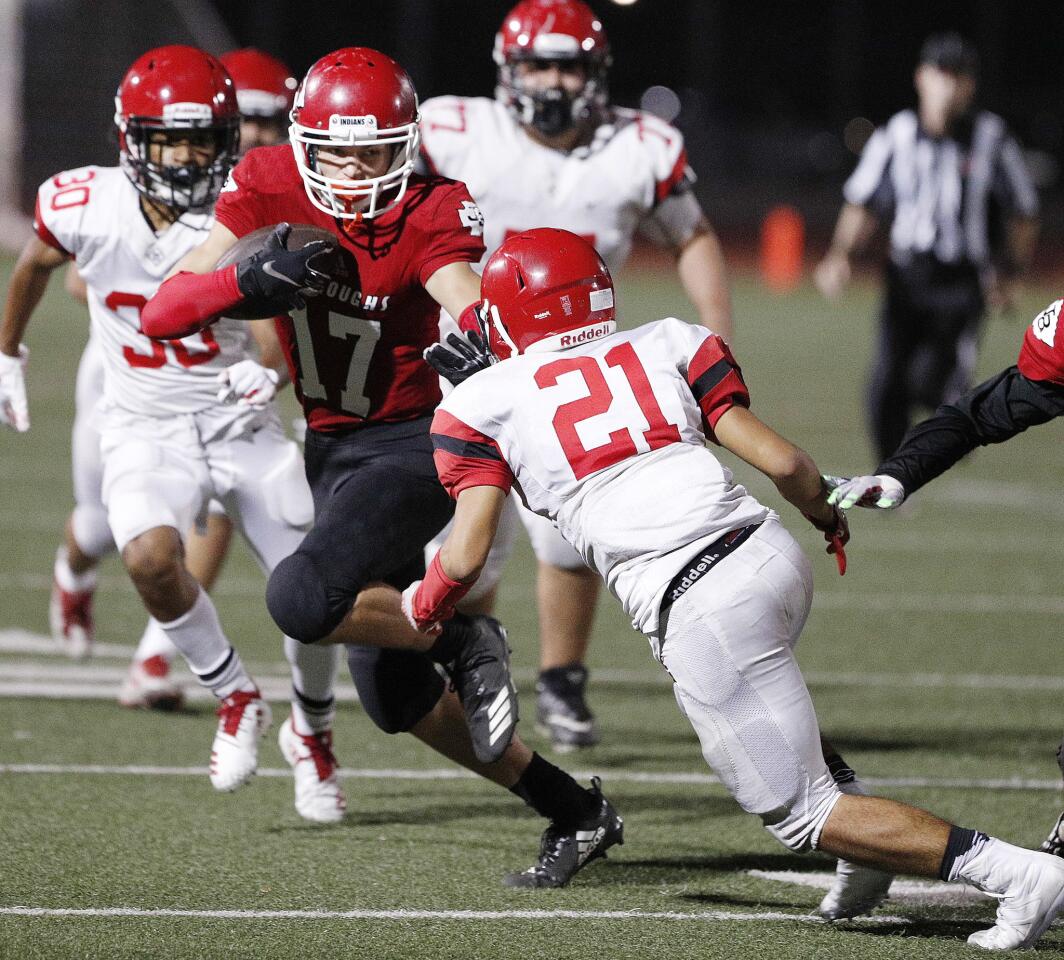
(187,302)
(700,264)
(853,230)
(24,292)
(799,482)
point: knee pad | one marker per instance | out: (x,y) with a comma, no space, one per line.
(298,602)
(92,531)
(798,827)
(397,688)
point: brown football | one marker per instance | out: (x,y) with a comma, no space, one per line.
(299,236)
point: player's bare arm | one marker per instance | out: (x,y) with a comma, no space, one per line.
(28,282)
(207,254)
(855,227)
(700,265)
(454,287)
(790,468)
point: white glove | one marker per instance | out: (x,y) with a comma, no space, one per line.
(247,384)
(879,491)
(14,410)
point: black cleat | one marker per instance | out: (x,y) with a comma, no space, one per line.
(565,850)
(1054,843)
(480,673)
(561,711)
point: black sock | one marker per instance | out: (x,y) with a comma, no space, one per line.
(553,794)
(450,640)
(841,772)
(961,840)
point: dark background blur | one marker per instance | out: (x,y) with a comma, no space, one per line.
(775,99)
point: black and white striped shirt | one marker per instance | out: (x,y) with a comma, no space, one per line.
(943,195)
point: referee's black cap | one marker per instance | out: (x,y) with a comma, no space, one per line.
(951,52)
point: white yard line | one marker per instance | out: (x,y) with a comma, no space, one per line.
(710,916)
(909,890)
(455,773)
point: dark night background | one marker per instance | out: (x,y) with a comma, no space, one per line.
(767,91)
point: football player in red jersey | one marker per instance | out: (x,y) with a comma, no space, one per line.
(1021,396)
(265,90)
(361,318)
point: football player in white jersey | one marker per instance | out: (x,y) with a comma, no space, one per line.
(550,150)
(264,92)
(605,434)
(183,422)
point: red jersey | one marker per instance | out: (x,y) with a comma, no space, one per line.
(1042,353)
(355,353)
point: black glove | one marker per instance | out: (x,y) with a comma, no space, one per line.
(281,277)
(465,354)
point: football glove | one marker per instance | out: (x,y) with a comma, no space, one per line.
(837,534)
(465,354)
(247,384)
(282,277)
(14,409)
(871,491)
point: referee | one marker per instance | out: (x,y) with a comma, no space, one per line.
(962,210)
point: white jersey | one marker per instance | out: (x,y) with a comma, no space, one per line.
(602,191)
(608,441)
(94,215)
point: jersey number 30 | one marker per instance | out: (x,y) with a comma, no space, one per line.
(620,445)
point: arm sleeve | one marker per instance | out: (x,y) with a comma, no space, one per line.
(457,232)
(993,412)
(187,302)
(869,185)
(466,457)
(60,209)
(241,207)
(673,221)
(438,595)
(716,381)
(1012,185)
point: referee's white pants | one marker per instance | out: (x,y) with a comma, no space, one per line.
(729,646)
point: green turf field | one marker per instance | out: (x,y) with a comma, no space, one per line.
(934,666)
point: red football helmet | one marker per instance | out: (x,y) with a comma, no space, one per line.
(265,87)
(350,98)
(564,30)
(546,289)
(180,91)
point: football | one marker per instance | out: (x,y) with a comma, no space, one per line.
(299,236)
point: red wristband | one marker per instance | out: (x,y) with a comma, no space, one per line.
(469,321)
(437,596)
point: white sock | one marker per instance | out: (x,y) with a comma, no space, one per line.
(197,634)
(154,643)
(314,671)
(67,579)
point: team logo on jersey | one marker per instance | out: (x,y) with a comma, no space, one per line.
(471,217)
(1045,324)
(230,184)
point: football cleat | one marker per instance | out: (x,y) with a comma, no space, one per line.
(318,794)
(563,850)
(561,710)
(70,617)
(1029,888)
(856,891)
(1054,843)
(243,717)
(148,686)
(480,673)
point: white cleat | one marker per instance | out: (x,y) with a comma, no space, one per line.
(148,686)
(243,718)
(1029,887)
(318,794)
(856,891)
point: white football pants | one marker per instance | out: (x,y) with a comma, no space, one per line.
(728,644)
